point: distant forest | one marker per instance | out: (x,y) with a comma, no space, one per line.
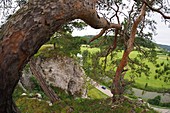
(166,47)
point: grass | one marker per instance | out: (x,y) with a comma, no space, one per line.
(94,93)
(91,50)
(17,92)
(98,102)
(140,82)
(28,105)
(48,51)
(44,50)
(152,84)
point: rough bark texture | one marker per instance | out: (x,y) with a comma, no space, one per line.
(31,27)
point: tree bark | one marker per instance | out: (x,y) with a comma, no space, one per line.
(36,70)
(28,29)
(117,80)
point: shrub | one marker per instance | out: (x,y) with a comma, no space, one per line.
(157,65)
(155,101)
(165,104)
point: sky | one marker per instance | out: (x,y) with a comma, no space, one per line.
(163,31)
(162,37)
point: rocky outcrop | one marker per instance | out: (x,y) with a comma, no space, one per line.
(63,72)
(25,81)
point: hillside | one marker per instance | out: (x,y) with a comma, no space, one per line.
(166,47)
(96,102)
(68,104)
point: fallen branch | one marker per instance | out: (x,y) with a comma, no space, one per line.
(47,90)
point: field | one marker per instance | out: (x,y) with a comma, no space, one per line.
(94,93)
(152,83)
(142,80)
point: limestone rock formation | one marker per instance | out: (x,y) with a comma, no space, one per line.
(63,72)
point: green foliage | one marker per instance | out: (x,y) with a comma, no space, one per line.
(169,54)
(69,27)
(145,42)
(66,44)
(63,42)
(94,67)
(157,65)
(26,68)
(94,93)
(17,92)
(63,95)
(28,105)
(165,105)
(155,101)
(163,70)
(142,69)
(37,87)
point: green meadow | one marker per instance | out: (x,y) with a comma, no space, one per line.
(142,81)
(153,84)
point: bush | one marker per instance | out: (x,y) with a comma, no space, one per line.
(169,54)
(157,65)
(165,104)
(37,87)
(155,101)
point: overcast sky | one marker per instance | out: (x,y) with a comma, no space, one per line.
(162,37)
(163,32)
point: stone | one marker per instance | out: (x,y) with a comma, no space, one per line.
(65,73)
(23,94)
(38,95)
(62,72)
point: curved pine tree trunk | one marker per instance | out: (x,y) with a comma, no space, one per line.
(23,35)
(31,27)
